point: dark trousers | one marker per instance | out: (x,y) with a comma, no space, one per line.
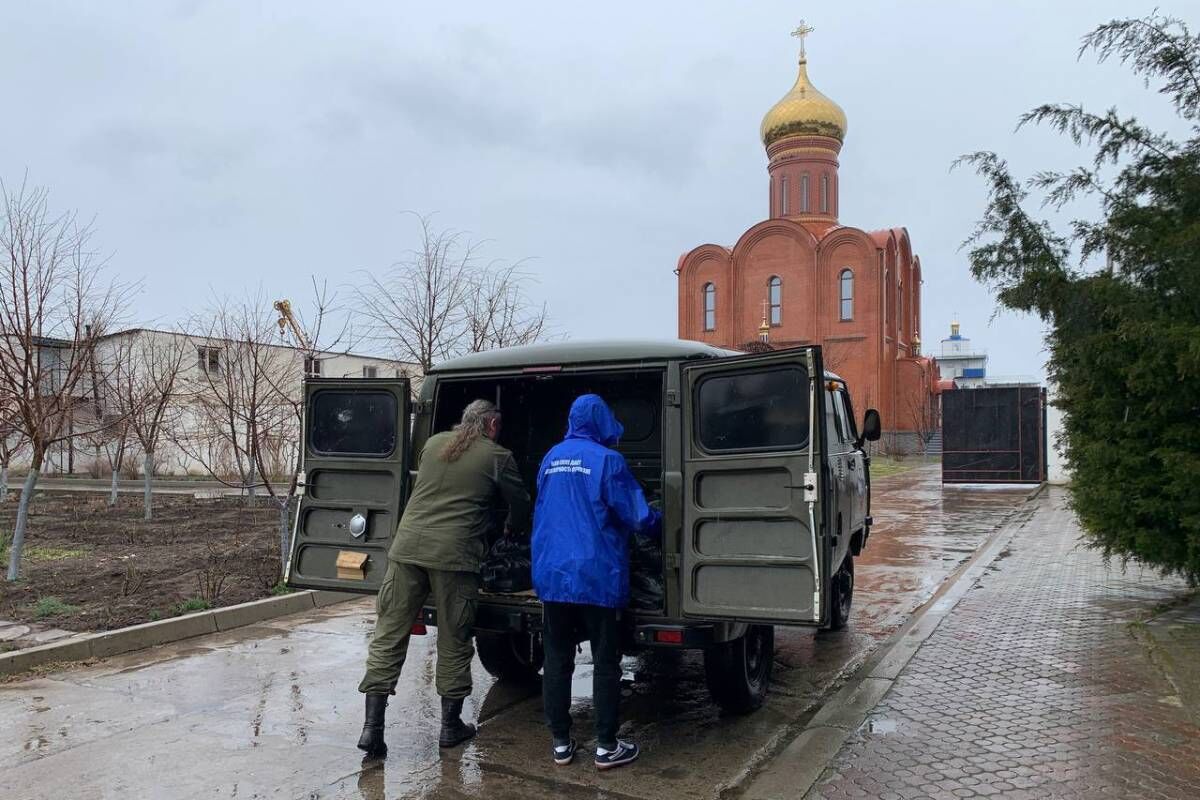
(564,625)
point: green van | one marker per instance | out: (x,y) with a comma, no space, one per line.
(757,460)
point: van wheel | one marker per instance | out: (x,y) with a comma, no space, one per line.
(841,595)
(739,672)
(514,657)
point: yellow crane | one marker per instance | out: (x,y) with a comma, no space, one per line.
(288,320)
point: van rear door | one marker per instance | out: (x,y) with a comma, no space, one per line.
(355,436)
(751,547)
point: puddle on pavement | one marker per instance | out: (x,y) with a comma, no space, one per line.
(881,727)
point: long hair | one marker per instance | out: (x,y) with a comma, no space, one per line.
(474,425)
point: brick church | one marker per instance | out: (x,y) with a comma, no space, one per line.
(802,276)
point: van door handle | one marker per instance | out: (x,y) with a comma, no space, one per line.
(850,463)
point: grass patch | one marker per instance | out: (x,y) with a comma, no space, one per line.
(190,606)
(40,554)
(52,607)
(883,466)
(280,588)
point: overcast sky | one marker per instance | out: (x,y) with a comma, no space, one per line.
(224,145)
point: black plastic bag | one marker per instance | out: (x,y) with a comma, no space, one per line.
(646,553)
(508,568)
(646,589)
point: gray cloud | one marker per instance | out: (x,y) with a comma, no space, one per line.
(223,145)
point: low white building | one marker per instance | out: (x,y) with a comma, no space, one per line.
(960,362)
(214,375)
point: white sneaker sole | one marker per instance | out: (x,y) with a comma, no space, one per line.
(614,764)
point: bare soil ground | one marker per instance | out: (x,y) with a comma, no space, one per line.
(90,567)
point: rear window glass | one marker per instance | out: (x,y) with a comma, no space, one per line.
(352,423)
(765,409)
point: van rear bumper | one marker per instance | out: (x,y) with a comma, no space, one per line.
(653,632)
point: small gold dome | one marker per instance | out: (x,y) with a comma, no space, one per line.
(803,111)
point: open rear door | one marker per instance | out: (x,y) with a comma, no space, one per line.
(356,467)
(750,540)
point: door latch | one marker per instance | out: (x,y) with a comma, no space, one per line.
(810,487)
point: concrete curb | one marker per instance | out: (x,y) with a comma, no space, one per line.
(795,769)
(150,634)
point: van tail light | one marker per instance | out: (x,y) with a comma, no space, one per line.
(418,628)
(668,637)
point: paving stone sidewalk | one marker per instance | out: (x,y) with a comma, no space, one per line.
(1042,683)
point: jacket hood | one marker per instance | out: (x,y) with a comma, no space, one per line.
(591,418)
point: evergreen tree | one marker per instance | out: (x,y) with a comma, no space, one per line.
(1121,296)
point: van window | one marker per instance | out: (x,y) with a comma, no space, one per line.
(833,424)
(765,409)
(846,411)
(352,423)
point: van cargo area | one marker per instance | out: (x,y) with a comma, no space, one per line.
(535,407)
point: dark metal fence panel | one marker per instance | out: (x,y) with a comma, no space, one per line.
(994,435)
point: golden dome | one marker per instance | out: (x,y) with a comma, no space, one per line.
(803,111)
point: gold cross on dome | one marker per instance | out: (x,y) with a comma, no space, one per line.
(802,31)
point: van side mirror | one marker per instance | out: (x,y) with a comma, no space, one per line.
(872,428)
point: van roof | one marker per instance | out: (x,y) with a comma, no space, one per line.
(570,352)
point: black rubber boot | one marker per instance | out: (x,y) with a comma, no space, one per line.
(371,742)
(454,730)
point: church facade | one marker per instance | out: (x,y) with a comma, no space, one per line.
(801,276)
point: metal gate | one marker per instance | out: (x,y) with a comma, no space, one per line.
(994,435)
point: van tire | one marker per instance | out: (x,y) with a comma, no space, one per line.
(841,595)
(513,657)
(738,673)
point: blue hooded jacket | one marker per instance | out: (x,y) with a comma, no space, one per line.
(588,507)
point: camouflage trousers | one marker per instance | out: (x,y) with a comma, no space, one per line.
(405,589)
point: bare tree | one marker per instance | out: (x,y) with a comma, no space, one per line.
(922,410)
(146,390)
(440,302)
(55,305)
(499,314)
(280,456)
(12,443)
(110,442)
(246,400)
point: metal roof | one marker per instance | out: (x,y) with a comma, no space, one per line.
(564,353)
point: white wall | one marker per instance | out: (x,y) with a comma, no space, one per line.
(1056,469)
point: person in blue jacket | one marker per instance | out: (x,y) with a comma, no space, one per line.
(588,507)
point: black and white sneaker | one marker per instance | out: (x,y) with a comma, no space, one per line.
(565,753)
(626,753)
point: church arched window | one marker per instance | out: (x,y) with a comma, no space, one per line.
(783,195)
(846,294)
(803,193)
(824,194)
(775,299)
(887,300)
(710,307)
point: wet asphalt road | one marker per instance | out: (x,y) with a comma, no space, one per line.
(272,711)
